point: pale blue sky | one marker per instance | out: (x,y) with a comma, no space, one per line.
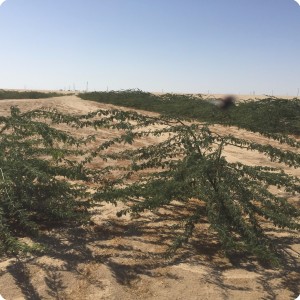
(196,46)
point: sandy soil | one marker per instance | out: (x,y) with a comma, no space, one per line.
(122,258)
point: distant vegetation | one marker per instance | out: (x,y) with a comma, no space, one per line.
(4,94)
(270,115)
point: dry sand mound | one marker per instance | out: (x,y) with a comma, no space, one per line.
(120,258)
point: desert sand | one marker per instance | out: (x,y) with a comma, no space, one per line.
(122,258)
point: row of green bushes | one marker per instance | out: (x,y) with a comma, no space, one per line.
(271,115)
(5,94)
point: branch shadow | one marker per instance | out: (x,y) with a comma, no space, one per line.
(21,276)
(54,282)
(132,248)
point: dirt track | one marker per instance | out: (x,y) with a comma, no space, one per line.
(120,258)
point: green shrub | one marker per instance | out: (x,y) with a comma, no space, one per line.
(44,173)
(4,95)
(233,198)
(37,165)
